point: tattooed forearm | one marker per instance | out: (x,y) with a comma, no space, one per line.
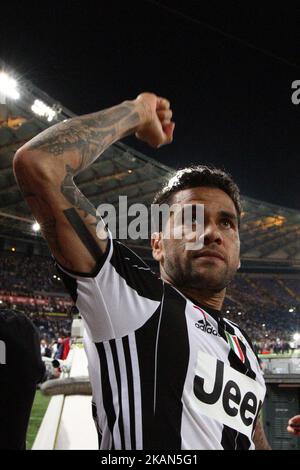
(87,135)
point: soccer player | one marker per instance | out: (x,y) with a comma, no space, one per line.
(167,370)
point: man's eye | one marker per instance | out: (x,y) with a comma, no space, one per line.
(227,223)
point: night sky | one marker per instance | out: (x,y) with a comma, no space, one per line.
(227,68)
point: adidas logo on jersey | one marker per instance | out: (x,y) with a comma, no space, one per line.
(206,327)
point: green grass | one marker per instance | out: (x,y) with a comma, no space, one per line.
(37,413)
(294,354)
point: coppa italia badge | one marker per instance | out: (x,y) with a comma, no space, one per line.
(235,345)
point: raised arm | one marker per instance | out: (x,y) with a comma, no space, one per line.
(46,165)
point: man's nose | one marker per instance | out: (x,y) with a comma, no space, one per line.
(212,234)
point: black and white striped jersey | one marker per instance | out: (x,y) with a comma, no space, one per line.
(166,373)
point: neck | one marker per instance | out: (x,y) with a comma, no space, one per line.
(205,297)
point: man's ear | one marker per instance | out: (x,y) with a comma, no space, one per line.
(156,244)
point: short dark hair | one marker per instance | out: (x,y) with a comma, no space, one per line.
(199,175)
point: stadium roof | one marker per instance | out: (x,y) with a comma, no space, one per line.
(269,233)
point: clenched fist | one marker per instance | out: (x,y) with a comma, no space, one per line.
(157,127)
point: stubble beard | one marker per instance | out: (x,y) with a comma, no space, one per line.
(188,277)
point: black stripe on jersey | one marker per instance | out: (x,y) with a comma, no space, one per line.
(257,416)
(106,391)
(234,361)
(229,436)
(95,418)
(159,339)
(118,378)
(244,368)
(130,391)
(245,336)
(232,439)
(136,273)
(250,371)
(145,343)
(173,358)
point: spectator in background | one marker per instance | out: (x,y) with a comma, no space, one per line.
(21,369)
(43,347)
(63,347)
(66,348)
(59,349)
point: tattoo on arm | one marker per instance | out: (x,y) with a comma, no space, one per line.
(89,135)
(86,137)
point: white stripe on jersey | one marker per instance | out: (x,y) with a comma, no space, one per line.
(250,353)
(137,392)
(156,347)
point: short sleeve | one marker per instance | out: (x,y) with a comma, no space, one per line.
(119,297)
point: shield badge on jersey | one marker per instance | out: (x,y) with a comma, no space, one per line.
(235,346)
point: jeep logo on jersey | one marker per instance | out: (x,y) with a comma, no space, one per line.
(207,327)
(225,394)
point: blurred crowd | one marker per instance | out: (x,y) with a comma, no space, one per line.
(21,273)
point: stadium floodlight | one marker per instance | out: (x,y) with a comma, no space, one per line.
(41,109)
(239,313)
(54,276)
(36,227)
(296,336)
(8,86)
(291,310)
(227,311)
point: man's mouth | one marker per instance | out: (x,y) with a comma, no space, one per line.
(209,254)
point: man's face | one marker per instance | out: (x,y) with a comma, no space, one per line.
(214,265)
